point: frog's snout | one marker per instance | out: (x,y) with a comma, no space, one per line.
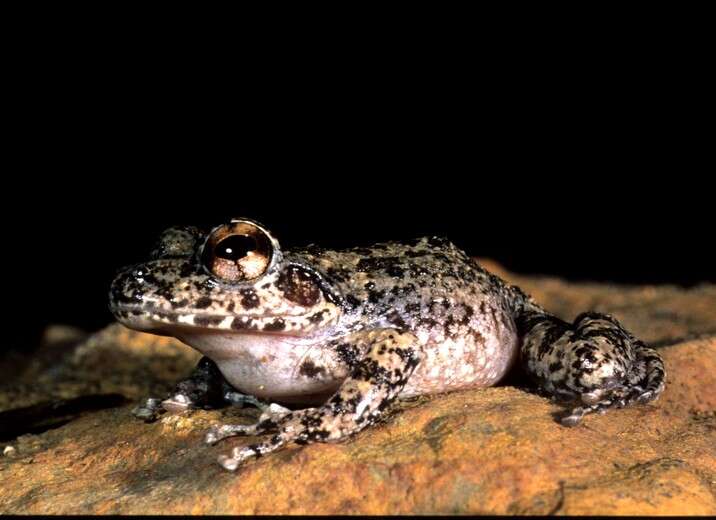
(128,287)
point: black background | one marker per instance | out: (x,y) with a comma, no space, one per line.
(593,164)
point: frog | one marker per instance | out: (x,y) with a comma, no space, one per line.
(324,341)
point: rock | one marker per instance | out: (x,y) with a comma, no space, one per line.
(492,451)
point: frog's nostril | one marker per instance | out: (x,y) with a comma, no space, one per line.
(136,272)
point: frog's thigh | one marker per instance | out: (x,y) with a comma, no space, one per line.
(594,359)
(377,377)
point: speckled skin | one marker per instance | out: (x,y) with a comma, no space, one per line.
(349,331)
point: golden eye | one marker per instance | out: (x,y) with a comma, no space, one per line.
(237,252)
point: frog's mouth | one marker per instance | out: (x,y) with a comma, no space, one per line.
(164,322)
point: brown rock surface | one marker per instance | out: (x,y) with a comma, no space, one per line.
(497,450)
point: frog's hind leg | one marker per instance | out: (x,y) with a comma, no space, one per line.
(594,360)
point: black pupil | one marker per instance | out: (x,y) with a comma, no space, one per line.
(235,247)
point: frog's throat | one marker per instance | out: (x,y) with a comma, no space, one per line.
(220,345)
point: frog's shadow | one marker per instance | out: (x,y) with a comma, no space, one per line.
(49,415)
(518,378)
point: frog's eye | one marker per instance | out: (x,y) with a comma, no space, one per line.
(237,251)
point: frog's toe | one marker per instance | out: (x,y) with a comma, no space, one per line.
(228,463)
(238,455)
(577,414)
(177,403)
(222,431)
(243,453)
(273,412)
(574,418)
(593,397)
(602,400)
(213,435)
(241,400)
(145,414)
(149,410)
(645,397)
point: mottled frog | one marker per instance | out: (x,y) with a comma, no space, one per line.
(346,332)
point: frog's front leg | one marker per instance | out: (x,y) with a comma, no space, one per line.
(206,387)
(384,360)
(594,359)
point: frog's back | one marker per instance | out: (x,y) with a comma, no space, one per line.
(429,287)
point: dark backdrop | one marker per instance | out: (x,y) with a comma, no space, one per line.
(595,172)
(69,236)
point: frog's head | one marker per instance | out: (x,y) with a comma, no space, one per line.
(232,280)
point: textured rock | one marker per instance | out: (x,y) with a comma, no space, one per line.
(497,450)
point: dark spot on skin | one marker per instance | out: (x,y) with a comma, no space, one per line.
(317,317)
(352,301)
(412,308)
(167,316)
(299,286)
(203,302)
(395,271)
(339,275)
(230,307)
(375,296)
(238,324)
(396,319)
(275,325)
(249,299)
(266,286)
(373,264)
(310,369)
(206,321)
(469,312)
(186,270)
(181,303)
(404,290)
(347,353)
(427,322)
(479,338)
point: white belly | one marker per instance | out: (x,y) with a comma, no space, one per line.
(272,367)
